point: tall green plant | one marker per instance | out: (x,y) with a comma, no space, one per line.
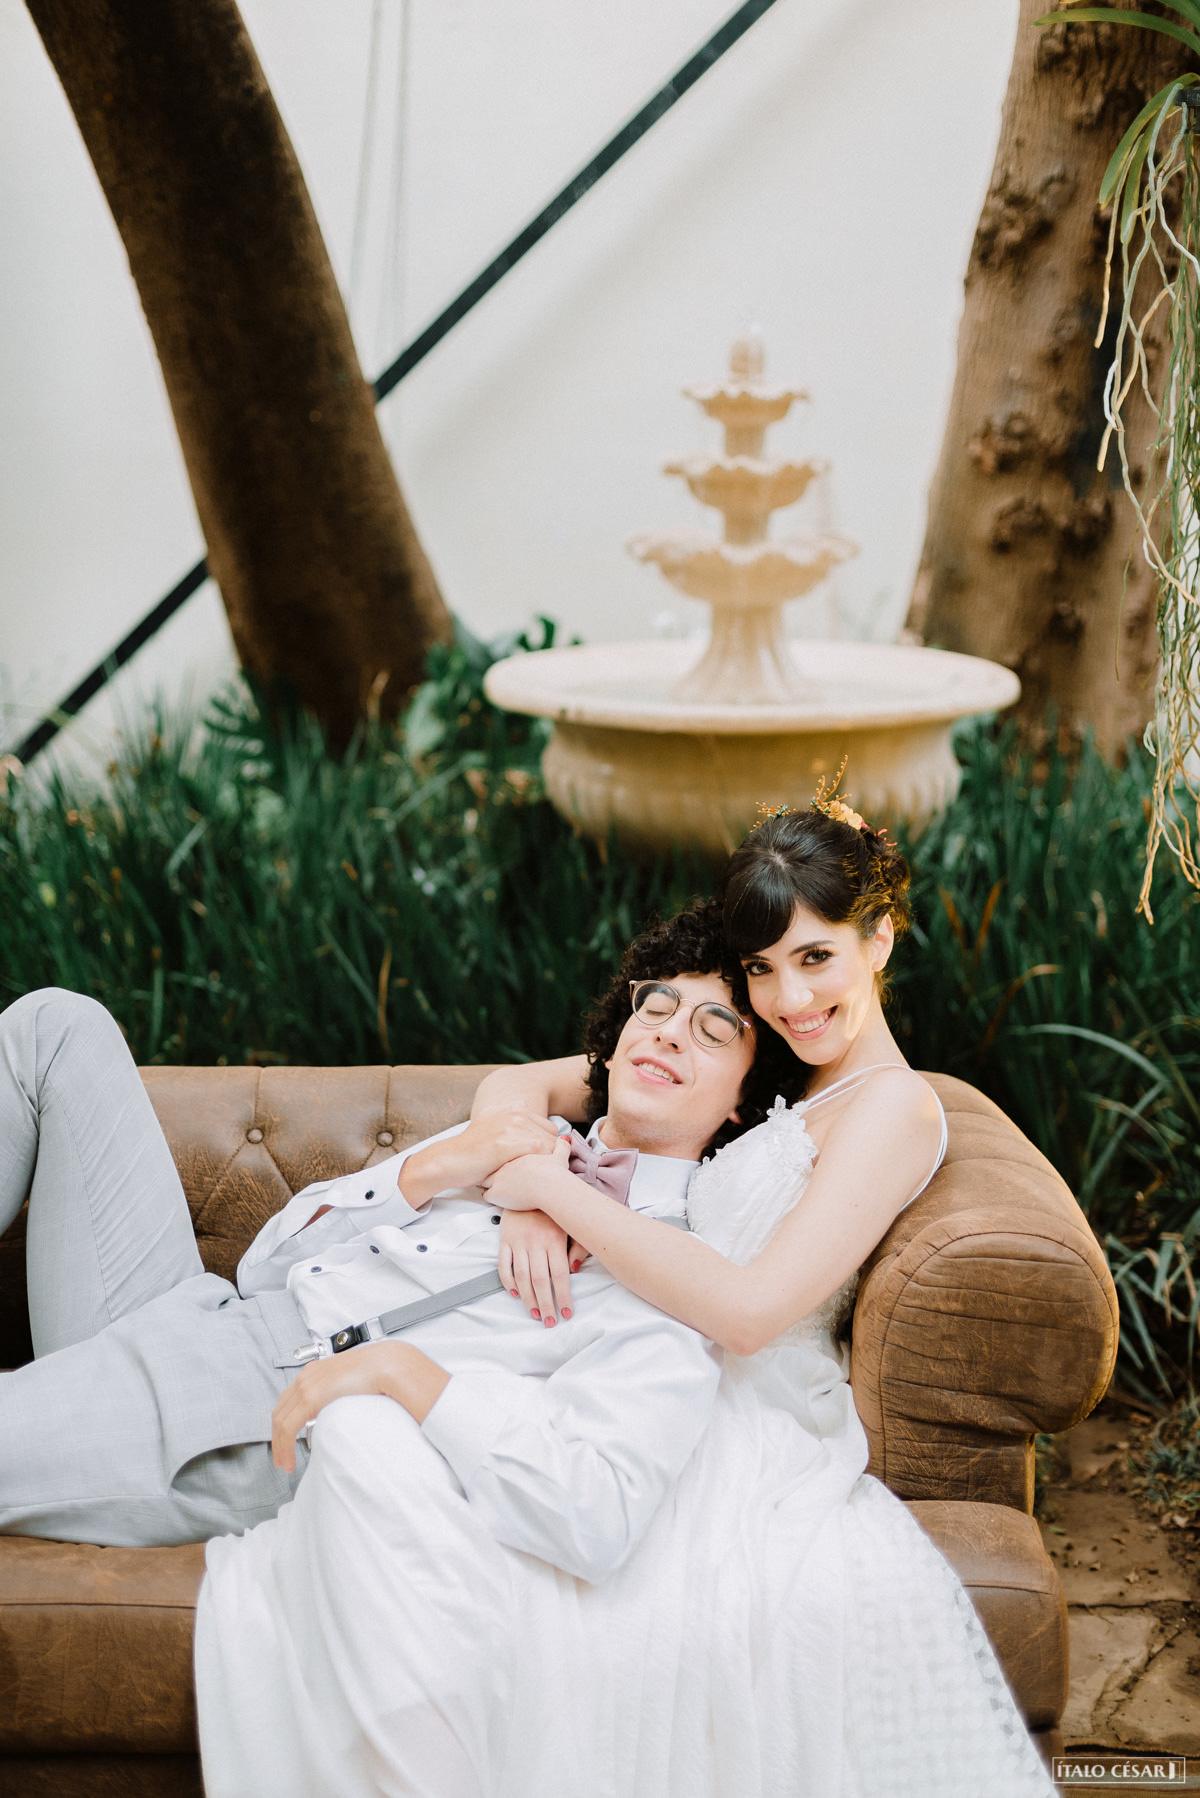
(238,895)
(1152,185)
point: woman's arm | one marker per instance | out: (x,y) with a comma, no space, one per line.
(540,1086)
(467,1157)
(855,1190)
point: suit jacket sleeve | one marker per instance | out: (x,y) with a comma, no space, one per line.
(572,1468)
(358,1202)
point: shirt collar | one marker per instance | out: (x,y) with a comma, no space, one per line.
(660,1182)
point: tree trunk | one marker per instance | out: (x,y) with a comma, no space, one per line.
(329,594)
(1027,543)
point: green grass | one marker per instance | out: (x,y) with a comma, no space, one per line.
(237,895)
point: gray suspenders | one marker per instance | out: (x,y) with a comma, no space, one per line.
(391,1323)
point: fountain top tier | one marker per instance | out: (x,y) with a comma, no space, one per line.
(743,403)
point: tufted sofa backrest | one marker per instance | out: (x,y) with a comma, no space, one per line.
(986,1314)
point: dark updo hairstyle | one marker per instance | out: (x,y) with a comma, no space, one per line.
(846,876)
(692,942)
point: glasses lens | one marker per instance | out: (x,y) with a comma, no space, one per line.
(714,1025)
(653,1003)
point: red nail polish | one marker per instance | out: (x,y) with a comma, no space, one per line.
(549,1322)
(566,1311)
(575,1266)
(514,1292)
(535,1312)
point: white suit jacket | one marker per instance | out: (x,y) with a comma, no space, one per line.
(567,1439)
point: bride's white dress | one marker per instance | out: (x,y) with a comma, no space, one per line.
(784,1629)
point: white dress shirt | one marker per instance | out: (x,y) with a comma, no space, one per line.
(568,1438)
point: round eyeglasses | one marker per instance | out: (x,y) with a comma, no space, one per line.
(713,1026)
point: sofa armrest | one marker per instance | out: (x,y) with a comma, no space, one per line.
(987,1314)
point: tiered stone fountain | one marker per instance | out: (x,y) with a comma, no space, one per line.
(658,745)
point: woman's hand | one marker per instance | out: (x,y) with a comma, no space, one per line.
(535,1263)
(527,1182)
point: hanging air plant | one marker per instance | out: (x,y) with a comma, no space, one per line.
(1152,184)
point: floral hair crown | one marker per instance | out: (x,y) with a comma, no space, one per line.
(825,800)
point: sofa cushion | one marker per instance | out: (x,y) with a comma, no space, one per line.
(96,1643)
(999,1556)
(96,1648)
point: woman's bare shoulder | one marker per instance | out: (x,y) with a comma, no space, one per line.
(893,1095)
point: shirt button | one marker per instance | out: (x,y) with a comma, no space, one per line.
(385,1138)
(374,1248)
(422,1247)
(314,1270)
(369,1195)
(254,1135)
(496,1218)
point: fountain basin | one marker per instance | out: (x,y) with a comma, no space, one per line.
(626,758)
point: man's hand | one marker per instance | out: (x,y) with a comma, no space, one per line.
(534,1263)
(478,1151)
(395,1370)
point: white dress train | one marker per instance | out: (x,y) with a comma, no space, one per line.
(785,1628)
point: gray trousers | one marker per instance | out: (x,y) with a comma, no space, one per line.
(145,1417)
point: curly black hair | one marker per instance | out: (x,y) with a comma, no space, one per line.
(692,942)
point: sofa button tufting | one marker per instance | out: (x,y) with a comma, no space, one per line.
(254,1135)
(385,1138)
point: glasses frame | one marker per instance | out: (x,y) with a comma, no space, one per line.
(692,1006)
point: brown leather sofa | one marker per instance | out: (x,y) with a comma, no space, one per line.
(986,1315)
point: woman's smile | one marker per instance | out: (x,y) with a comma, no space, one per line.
(812,1026)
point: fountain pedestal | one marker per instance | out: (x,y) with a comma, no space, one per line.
(662,746)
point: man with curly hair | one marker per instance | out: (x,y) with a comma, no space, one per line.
(692,940)
(170,1405)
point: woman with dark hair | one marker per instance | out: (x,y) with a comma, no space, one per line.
(786,1627)
(783,1627)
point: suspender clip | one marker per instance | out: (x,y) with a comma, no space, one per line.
(349,1338)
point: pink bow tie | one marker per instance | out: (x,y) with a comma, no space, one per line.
(610,1171)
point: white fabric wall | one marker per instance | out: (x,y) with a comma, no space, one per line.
(823,182)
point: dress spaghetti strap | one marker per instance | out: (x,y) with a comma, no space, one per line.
(861,1074)
(858,1074)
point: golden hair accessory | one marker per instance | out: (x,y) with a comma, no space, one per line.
(767,811)
(826,800)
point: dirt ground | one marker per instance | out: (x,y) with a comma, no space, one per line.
(1132,1581)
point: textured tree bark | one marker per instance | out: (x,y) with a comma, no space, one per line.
(330,596)
(1027,544)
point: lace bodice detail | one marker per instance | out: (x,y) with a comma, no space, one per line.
(739,1197)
